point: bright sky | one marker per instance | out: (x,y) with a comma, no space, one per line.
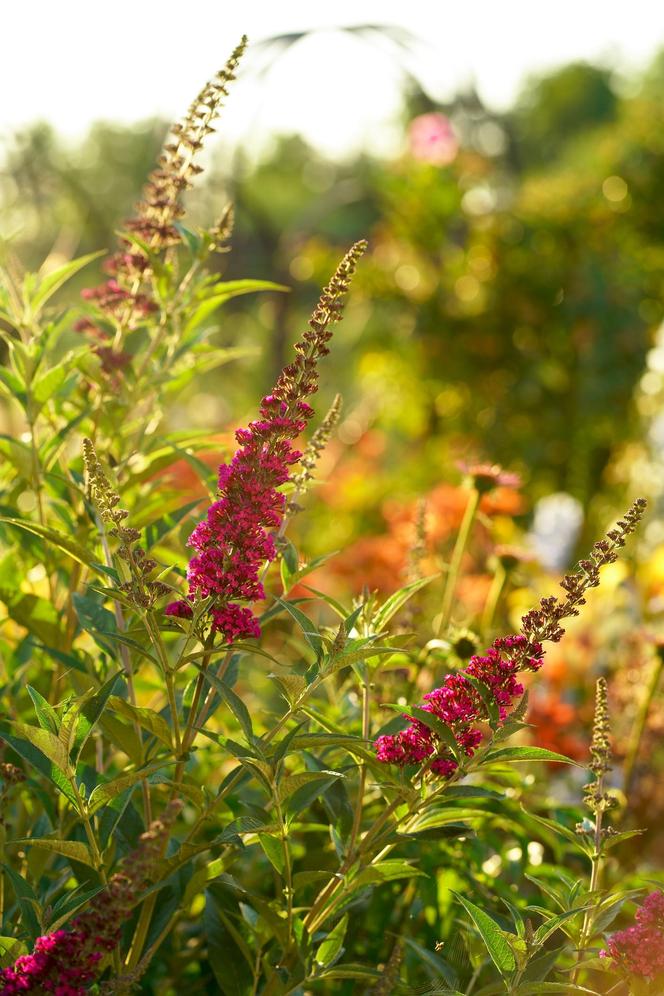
(72,61)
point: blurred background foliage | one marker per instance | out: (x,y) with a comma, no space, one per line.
(510,309)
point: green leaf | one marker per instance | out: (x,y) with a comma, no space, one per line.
(48,285)
(147,718)
(103,794)
(37,615)
(30,753)
(399,599)
(229,957)
(309,631)
(49,383)
(10,950)
(273,850)
(47,717)
(31,910)
(618,838)
(494,938)
(442,730)
(224,291)
(56,539)
(387,871)
(92,616)
(527,754)
(332,947)
(18,454)
(234,702)
(14,384)
(351,971)
(68,904)
(487,698)
(75,850)
(291,783)
(48,743)
(550,926)
(90,714)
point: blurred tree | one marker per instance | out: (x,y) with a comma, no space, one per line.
(559,106)
(508,300)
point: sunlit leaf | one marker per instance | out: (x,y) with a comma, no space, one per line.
(493,936)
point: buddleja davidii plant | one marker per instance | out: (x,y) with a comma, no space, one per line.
(442,745)
(235,543)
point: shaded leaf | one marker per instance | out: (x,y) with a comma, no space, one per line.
(76,850)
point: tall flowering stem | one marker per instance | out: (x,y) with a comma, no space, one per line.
(237,537)
(459,704)
(127,298)
(598,801)
(66,962)
(482,478)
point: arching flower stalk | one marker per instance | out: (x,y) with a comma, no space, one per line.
(126,298)
(459,704)
(237,537)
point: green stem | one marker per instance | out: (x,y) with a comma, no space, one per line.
(359,802)
(595,874)
(641,721)
(495,591)
(288,870)
(129,672)
(457,555)
(141,932)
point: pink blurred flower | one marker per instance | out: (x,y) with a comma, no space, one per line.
(432,139)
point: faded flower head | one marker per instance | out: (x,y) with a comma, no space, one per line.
(509,557)
(486,476)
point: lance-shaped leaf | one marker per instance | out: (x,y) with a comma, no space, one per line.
(90,713)
(47,717)
(527,754)
(332,947)
(309,631)
(234,702)
(441,729)
(49,284)
(75,850)
(398,600)
(146,718)
(103,794)
(495,939)
(292,783)
(57,539)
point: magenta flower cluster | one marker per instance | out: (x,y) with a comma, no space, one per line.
(639,950)
(458,704)
(62,963)
(236,539)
